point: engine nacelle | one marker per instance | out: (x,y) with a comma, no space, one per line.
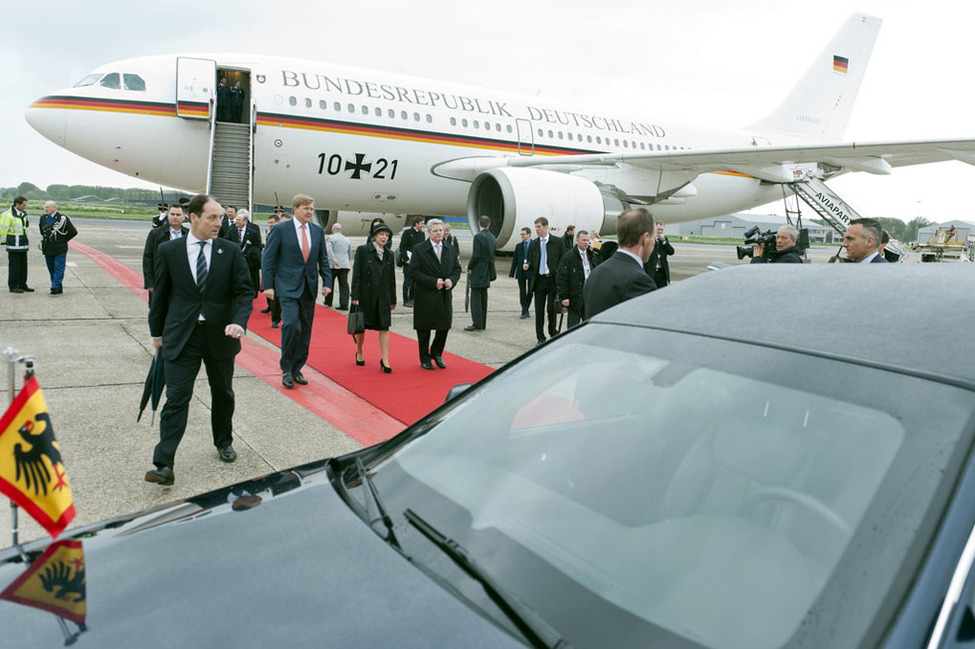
(514,197)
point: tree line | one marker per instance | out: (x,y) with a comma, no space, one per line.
(69,192)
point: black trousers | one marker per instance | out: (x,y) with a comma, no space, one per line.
(524,295)
(297,318)
(573,317)
(479,302)
(428,351)
(275,306)
(17,268)
(180,374)
(544,290)
(340,275)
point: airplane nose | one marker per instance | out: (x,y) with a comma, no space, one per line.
(47,116)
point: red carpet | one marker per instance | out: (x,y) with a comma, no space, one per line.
(407,394)
(403,396)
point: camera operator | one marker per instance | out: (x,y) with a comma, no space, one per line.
(786,251)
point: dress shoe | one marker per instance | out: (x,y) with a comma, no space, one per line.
(227,453)
(275,325)
(161,476)
(524,315)
(20,290)
(359,361)
(288,380)
(57,291)
(407,304)
(472,328)
(427,365)
(439,361)
(385,368)
(265,310)
(300,378)
(27,289)
(541,341)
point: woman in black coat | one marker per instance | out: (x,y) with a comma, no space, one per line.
(374,291)
(451,239)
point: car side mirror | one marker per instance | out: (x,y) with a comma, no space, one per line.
(457,390)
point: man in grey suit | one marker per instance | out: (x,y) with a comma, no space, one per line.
(481,273)
(622,276)
(294,259)
(338,248)
(202,299)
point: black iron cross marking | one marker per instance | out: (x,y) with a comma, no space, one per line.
(358,167)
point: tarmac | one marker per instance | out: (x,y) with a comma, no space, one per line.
(92,350)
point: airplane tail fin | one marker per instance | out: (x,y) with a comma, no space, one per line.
(819,106)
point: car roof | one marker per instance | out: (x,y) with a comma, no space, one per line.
(914,318)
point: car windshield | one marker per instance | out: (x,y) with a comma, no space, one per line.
(706,490)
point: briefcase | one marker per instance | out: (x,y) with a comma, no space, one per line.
(357,321)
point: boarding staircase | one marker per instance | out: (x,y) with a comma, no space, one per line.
(831,208)
(230,177)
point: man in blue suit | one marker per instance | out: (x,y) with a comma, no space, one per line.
(294,259)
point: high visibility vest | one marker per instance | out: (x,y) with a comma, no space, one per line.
(13,231)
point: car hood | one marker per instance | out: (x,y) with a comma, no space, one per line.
(280,560)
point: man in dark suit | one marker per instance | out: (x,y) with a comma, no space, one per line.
(481,273)
(862,241)
(294,259)
(201,303)
(657,265)
(247,235)
(574,271)
(434,270)
(223,100)
(544,256)
(157,237)
(519,270)
(622,276)
(411,236)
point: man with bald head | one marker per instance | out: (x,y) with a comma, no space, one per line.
(56,231)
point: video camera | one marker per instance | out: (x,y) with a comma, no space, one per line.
(755,237)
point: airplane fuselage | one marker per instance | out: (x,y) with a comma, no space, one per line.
(374,142)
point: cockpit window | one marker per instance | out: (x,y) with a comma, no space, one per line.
(111,81)
(89,80)
(133,82)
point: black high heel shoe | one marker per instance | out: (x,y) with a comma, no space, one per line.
(386,369)
(358,362)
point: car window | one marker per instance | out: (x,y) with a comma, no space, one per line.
(710,489)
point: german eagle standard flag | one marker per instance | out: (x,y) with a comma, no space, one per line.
(31,472)
(55,582)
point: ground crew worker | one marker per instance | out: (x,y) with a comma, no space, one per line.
(13,234)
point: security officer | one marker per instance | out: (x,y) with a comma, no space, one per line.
(13,233)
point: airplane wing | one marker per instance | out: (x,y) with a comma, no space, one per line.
(773,163)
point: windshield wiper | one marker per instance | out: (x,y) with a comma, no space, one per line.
(383,517)
(535,629)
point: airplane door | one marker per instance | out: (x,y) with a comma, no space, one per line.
(526,141)
(194,87)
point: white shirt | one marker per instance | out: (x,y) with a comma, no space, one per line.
(869,258)
(633,255)
(174,234)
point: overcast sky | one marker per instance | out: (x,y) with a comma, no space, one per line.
(708,61)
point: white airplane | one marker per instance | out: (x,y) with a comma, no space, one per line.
(372,142)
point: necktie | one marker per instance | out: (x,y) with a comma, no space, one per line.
(304,241)
(543,267)
(201,268)
(241,235)
(585,264)
(436,249)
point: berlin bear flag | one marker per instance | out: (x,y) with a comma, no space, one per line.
(31,472)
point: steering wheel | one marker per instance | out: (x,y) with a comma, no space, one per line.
(805,501)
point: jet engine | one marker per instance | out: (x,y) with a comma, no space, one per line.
(514,197)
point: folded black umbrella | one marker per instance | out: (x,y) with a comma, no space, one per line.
(155,380)
(467,294)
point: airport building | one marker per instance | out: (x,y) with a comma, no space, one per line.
(734,226)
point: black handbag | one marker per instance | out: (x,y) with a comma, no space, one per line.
(357,321)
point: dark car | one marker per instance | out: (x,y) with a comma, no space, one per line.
(755,458)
